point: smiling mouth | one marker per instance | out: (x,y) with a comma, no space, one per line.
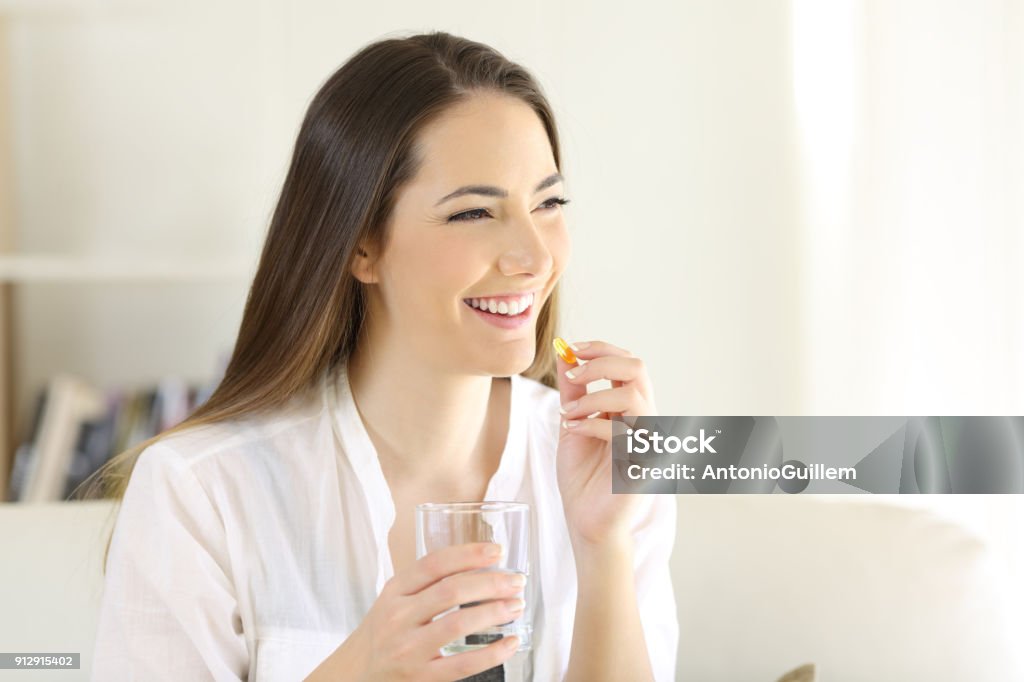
(512,307)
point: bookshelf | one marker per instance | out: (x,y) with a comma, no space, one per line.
(7,435)
(15,268)
(18,269)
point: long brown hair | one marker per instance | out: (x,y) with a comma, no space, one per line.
(354,151)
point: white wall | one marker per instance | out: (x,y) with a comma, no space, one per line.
(912,122)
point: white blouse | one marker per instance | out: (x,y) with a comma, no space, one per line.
(251,549)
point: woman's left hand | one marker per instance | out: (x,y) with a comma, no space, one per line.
(595,515)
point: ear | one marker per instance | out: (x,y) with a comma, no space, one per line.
(362,265)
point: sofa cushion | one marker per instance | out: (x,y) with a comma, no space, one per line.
(865,589)
(50,577)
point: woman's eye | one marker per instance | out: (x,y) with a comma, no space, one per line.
(466,216)
(478,213)
(558,201)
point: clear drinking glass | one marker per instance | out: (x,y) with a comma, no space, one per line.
(505,523)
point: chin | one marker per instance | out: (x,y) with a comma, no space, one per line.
(507,364)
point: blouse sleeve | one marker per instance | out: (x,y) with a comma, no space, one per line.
(169,609)
(654,537)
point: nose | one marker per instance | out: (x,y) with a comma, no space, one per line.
(527,250)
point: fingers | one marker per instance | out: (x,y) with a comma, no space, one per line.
(587,350)
(466,588)
(595,428)
(626,400)
(461,622)
(567,389)
(630,394)
(403,635)
(470,663)
(612,367)
(443,562)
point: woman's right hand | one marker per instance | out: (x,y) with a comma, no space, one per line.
(398,640)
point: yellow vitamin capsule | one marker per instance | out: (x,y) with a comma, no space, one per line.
(563,350)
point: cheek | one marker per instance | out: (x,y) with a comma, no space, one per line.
(456,266)
(559,245)
(434,272)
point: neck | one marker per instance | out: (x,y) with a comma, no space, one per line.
(427,423)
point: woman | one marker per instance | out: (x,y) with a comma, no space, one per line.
(271,534)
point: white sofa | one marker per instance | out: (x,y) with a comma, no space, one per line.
(863,589)
(50,581)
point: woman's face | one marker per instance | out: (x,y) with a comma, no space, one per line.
(500,240)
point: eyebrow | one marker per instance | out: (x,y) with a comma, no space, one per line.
(492,191)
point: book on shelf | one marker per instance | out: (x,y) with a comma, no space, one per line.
(69,401)
(77,427)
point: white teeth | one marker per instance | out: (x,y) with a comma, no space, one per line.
(513,307)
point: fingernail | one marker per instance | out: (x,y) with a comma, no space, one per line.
(562,348)
(572,373)
(517,580)
(516,605)
(493,550)
(579,345)
(571,424)
(569,406)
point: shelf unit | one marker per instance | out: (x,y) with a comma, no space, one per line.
(17,268)
(7,436)
(65,270)
(54,268)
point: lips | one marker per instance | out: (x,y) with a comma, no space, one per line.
(506,304)
(504,321)
(486,311)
